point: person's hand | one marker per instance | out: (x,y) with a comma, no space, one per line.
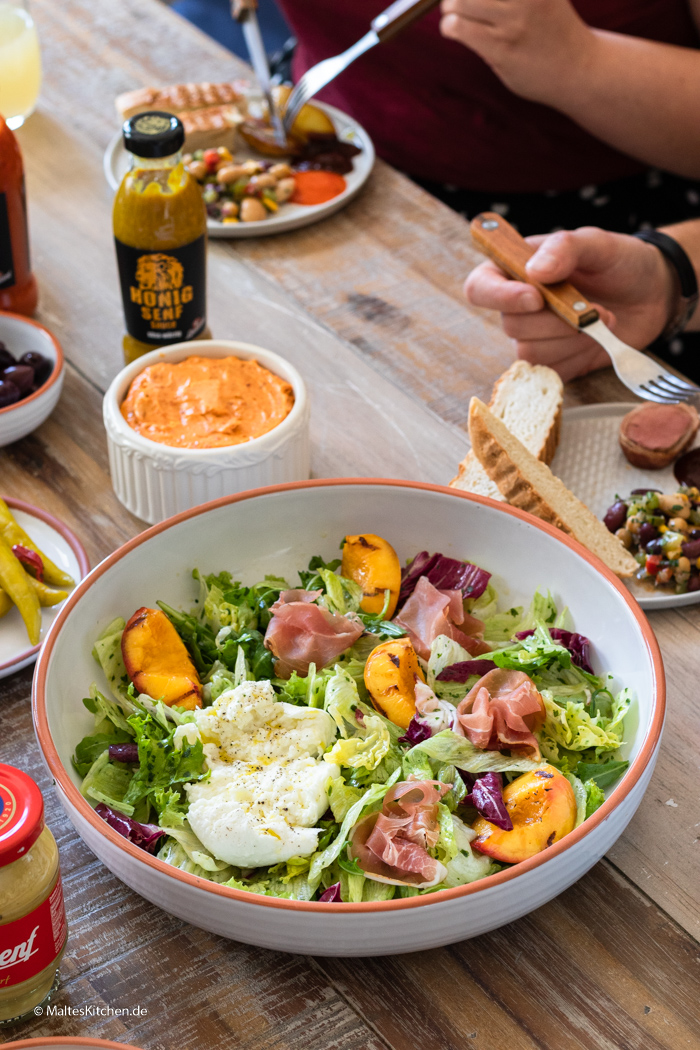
(536,47)
(627,279)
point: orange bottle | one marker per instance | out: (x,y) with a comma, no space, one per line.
(18,291)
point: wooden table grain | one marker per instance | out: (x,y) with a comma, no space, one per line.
(368,305)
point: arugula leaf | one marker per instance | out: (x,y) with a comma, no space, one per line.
(91,747)
(603,774)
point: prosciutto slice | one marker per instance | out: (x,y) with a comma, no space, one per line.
(301,633)
(502,711)
(392,845)
(430,612)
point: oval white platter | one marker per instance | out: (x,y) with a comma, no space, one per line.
(290,216)
(64,548)
(590,462)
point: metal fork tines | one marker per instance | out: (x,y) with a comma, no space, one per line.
(641,373)
(321,74)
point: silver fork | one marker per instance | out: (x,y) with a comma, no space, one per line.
(642,374)
(391,21)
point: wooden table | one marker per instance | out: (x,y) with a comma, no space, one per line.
(368,305)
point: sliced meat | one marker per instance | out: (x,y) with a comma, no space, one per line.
(502,710)
(430,612)
(301,633)
(296,595)
(393,844)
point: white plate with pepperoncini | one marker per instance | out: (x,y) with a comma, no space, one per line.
(665,527)
(33,929)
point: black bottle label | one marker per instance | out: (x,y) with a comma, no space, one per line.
(164,292)
(7,263)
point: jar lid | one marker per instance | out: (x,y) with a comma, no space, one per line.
(21,814)
(153,134)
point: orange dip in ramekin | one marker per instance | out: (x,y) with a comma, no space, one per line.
(206,402)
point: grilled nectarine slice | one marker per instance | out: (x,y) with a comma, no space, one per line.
(374,564)
(542,807)
(157,661)
(390,676)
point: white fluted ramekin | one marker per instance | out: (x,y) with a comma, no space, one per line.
(22,334)
(155,481)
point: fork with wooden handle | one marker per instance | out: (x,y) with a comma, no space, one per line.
(391,21)
(641,374)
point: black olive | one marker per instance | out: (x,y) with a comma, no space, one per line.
(616,516)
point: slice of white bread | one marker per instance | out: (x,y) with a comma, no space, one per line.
(528,399)
(180,98)
(527,483)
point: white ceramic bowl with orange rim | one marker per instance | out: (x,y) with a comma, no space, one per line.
(276,531)
(22,335)
(155,481)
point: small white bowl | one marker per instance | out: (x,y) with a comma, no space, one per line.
(21,335)
(155,481)
(276,530)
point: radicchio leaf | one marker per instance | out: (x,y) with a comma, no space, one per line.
(447,574)
(578,645)
(124,752)
(463,670)
(332,894)
(144,835)
(487,798)
(416,733)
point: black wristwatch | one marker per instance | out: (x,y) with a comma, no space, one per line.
(687,281)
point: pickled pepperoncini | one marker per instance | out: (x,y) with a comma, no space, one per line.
(160,232)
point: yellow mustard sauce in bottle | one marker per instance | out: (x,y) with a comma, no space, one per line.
(160,233)
(33,928)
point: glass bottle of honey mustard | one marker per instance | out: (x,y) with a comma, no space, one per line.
(33,926)
(160,233)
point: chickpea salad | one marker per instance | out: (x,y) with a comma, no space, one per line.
(252,190)
(369,731)
(662,531)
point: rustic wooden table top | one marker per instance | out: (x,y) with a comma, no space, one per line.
(369,306)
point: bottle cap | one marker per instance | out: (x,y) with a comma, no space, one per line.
(21,814)
(153,134)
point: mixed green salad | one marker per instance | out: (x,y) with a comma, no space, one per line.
(296,783)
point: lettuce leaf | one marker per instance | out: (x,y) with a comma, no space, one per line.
(445,651)
(109,782)
(174,852)
(366,749)
(594,797)
(466,865)
(341,798)
(161,764)
(581,797)
(460,752)
(91,747)
(532,653)
(107,650)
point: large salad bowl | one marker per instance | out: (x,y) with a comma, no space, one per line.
(273,531)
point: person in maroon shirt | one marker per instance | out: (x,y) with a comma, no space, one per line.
(556,113)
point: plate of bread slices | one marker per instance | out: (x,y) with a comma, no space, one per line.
(251,186)
(608,474)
